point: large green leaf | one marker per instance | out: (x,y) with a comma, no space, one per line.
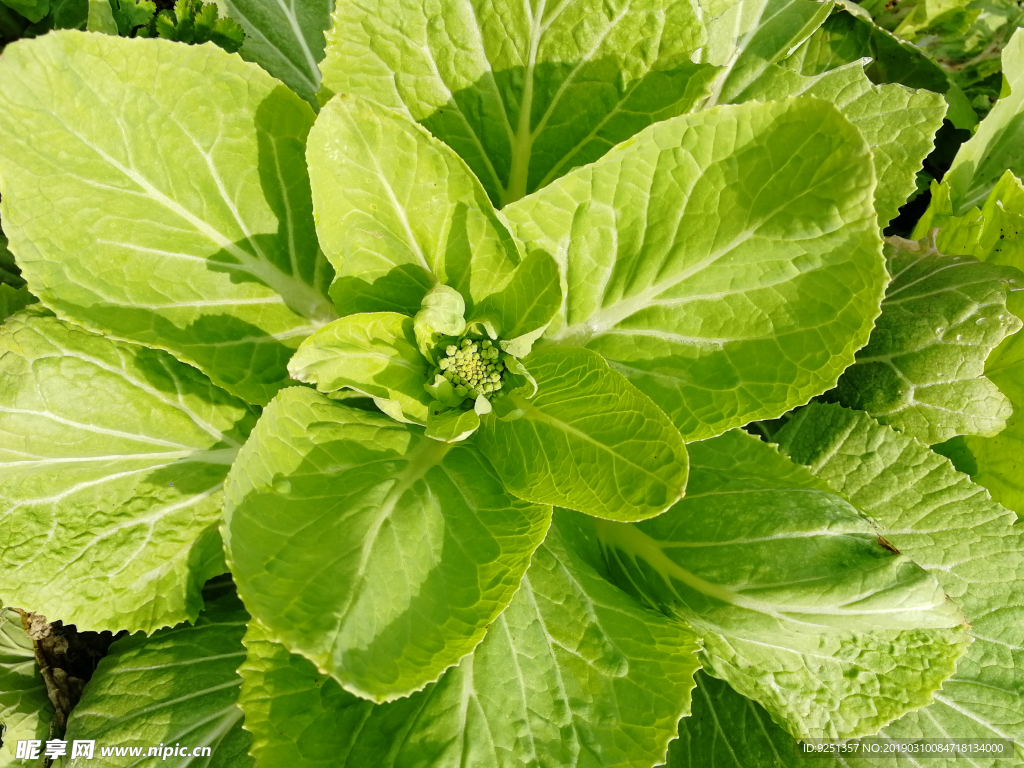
(573,673)
(524,92)
(374,353)
(922,372)
(745,37)
(112,460)
(589,440)
(995,147)
(25,708)
(33,10)
(285,37)
(378,553)
(898,124)
(168,203)
(728,262)
(798,603)
(399,211)
(950,527)
(179,686)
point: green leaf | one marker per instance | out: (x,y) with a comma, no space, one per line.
(798,603)
(101,17)
(376,552)
(112,459)
(898,124)
(527,303)
(573,673)
(200,243)
(922,372)
(286,39)
(745,37)
(13,300)
(398,211)
(33,10)
(442,313)
(452,426)
(950,527)
(132,14)
(178,686)
(10,274)
(588,441)
(995,147)
(722,288)
(373,353)
(25,708)
(522,92)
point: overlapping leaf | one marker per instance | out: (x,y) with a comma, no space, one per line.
(798,604)
(728,263)
(589,440)
(112,460)
(398,211)
(897,123)
(380,554)
(177,687)
(535,89)
(952,528)
(157,193)
(25,708)
(574,672)
(922,372)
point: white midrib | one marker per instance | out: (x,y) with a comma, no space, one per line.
(638,545)
(523,146)
(302,298)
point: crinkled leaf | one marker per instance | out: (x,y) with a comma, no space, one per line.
(951,527)
(534,90)
(922,372)
(995,147)
(374,353)
(574,672)
(285,38)
(745,37)
(798,604)
(849,37)
(897,123)
(526,304)
(178,686)
(589,440)
(200,242)
(722,287)
(442,313)
(25,708)
(376,552)
(399,211)
(112,460)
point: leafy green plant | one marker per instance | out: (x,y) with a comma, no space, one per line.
(445,354)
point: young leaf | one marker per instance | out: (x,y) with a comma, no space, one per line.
(995,147)
(285,38)
(745,37)
(452,426)
(950,527)
(25,708)
(535,90)
(922,372)
(112,460)
(200,243)
(527,303)
(898,124)
(373,353)
(799,605)
(376,552)
(574,672)
(399,211)
(179,686)
(588,441)
(724,288)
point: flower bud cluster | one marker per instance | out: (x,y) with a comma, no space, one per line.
(473,367)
